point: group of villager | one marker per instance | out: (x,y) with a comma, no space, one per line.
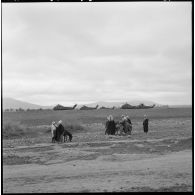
(122,127)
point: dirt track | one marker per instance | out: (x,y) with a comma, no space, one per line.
(118,165)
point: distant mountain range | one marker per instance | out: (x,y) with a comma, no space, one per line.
(16,104)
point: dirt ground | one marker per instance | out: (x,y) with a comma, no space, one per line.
(115,165)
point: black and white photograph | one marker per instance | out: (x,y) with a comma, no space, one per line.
(97,96)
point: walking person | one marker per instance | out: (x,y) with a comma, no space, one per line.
(145,124)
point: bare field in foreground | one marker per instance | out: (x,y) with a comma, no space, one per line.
(93,162)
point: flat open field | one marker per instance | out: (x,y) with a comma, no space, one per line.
(93,162)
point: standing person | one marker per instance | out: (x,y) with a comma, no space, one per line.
(59,131)
(110,126)
(128,125)
(145,124)
(53,131)
(122,122)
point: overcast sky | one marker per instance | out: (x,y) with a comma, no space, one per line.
(83,52)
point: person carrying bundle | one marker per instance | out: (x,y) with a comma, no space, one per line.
(127,125)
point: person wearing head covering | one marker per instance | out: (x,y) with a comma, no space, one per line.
(145,124)
(128,125)
(123,123)
(59,131)
(110,126)
(107,126)
(53,131)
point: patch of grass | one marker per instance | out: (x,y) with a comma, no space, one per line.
(34,118)
(182,144)
(74,127)
(14,130)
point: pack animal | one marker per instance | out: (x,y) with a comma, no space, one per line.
(66,135)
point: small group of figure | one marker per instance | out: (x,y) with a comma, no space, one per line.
(122,127)
(58,132)
(119,127)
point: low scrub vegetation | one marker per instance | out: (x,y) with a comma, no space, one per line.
(17,130)
(35,118)
(14,130)
(74,127)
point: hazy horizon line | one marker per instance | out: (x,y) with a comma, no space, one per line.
(91,102)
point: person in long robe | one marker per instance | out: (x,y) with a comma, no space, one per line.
(145,124)
(110,126)
(122,122)
(53,131)
(128,124)
(59,131)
